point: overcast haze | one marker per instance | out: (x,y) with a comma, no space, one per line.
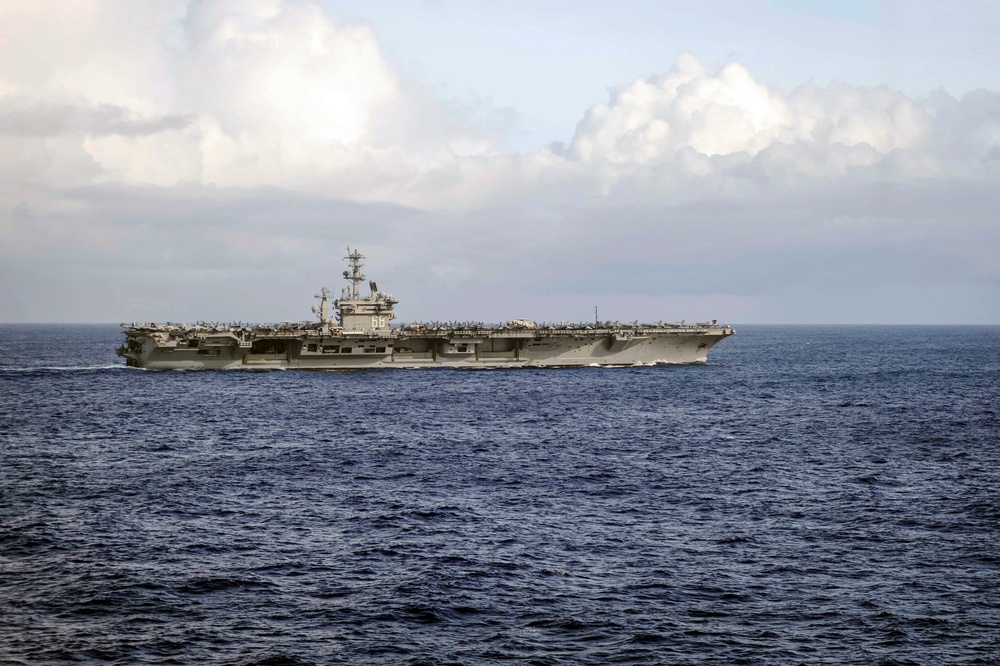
(779,162)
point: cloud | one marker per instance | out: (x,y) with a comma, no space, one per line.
(860,253)
(278,69)
(20,119)
(237,145)
(262,92)
(728,132)
(275,93)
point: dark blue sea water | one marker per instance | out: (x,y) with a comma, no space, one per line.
(817,495)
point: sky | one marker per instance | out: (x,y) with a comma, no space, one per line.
(772,162)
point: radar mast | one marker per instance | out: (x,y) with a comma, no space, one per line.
(354,276)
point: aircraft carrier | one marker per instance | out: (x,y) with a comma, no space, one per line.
(357,332)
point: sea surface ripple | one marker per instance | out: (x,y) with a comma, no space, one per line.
(817,495)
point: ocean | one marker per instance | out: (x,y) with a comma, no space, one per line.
(815,495)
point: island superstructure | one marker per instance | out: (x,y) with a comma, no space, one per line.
(357,332)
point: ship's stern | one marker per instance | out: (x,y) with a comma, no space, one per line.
(136,347)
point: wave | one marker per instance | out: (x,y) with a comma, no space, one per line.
(68,368)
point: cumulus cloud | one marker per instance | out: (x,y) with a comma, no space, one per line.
(724,128)
(231,93)
(275,93)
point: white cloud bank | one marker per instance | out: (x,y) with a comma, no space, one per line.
(191,108)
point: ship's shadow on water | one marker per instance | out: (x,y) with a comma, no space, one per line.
(820,495)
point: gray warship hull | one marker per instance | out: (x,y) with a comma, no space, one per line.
(188,348)
(359,334)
